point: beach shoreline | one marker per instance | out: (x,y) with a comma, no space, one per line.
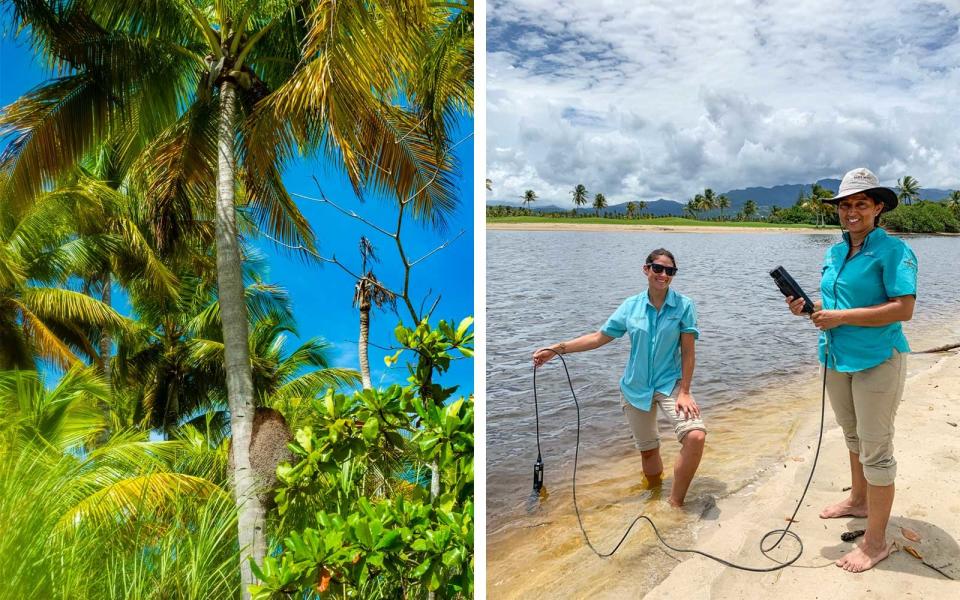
(926,503)
(652,228)
(728,516)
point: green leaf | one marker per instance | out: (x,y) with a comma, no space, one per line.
(371,429)
(464,325)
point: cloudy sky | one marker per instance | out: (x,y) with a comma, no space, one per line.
(649,99)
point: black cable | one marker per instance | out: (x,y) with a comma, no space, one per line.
(783,532)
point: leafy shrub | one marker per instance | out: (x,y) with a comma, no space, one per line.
(922,217)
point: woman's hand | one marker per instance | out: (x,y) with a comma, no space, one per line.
(542,355)
(827,319)
(687,406)
(796,305)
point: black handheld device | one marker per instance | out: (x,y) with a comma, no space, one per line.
(538,474)
(789,287)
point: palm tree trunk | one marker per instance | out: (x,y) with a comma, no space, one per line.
(233,311)
(364,337)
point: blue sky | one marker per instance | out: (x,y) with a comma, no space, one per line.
(643,100)
(322,296)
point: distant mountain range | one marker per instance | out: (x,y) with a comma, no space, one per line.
(765,197)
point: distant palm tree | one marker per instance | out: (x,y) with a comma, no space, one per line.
(631,209)
(816,203)
(723,202)
(908,189)
(709,199)
(693,205)
(599,202)
(528,197)
(580,195)
(953,202)
(640,206)
(749,209)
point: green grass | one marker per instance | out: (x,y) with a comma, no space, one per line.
(672,221)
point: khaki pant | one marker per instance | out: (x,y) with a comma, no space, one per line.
(865,404)
(644,422)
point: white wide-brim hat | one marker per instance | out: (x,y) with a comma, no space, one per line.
(862,180)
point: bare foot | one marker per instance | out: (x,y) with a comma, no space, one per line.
(846,508)
(675,503)
(653,481)
(864,557)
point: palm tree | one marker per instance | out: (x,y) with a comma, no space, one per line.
(693,205)
(640,206)
(368,292)
(749,209)
(39,317)
(528,197)
(631,209)
(579,195)
(223,91)
(908,189)
(599,203)
(816,203)
(113,507)
(709,201)
(722,203)
(953,202)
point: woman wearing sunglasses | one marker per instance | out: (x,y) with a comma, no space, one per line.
(662,325)
(868,288)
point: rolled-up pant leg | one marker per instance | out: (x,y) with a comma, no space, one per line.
(876,395)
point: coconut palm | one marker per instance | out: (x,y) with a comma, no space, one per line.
(709,200)
(631,209)
(40,319)
(817,203)
(579,195)
(722,203)
(599,203)
(528,196)
(367,293)
(693,205)
(749,209)
(640,206)
(227,93)
(908,189)
(113,508)
(953,202)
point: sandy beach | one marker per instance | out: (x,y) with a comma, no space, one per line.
(928,456)
(728,514)
(649,228)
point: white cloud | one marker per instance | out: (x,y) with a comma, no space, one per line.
(662,99)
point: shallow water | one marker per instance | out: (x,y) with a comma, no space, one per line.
(756,380)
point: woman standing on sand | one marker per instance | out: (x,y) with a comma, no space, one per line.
(868,288)
(662,325)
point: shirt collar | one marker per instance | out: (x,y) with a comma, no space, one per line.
(670,300)
(877,234)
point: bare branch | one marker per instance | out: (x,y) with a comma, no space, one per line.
(437,249)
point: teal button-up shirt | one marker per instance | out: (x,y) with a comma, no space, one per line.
(654,364)
(884,268)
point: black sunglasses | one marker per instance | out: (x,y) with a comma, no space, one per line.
(658,268)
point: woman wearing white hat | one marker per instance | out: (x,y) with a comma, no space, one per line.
(868,288)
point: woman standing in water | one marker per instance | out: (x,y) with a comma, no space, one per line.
(662,325)
(868,288)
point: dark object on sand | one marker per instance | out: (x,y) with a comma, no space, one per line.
(846,489)
(849,536)
(943,348)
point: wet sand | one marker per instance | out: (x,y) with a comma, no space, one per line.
(757,459)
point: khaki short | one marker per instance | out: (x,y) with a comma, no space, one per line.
(865,403)
(644,422)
